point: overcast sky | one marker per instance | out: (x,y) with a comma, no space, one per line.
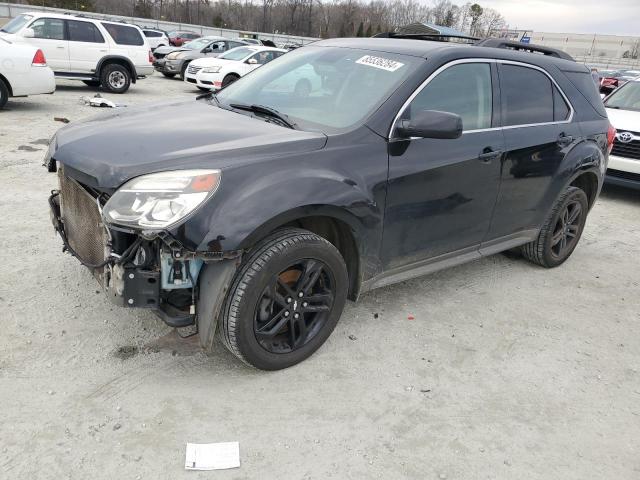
(616,17)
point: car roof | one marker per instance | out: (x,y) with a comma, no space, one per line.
(70,16)
(434,49)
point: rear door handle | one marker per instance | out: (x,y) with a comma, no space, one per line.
(564,139)
(489,154)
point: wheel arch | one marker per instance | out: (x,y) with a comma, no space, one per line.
(588,182)
(337,226)
(4,80)
(119,60)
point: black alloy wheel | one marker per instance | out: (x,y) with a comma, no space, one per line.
(294,307)
(565,233)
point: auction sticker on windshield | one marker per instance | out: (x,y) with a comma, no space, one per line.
(379,62)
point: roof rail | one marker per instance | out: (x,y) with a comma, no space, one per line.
(436,37)
(523,47)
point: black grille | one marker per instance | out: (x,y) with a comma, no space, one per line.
(82,221)
(159,55)
(627,150)
(624,175)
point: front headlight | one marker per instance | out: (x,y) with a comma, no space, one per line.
(173,55)
(159,200)
(211,70)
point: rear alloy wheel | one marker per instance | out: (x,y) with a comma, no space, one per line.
(285,301)
(229,79)
(561,233)
(4,94)
(115,78)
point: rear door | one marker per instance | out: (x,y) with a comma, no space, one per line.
(538,133)
(441,193)
(49,36)
(86,46)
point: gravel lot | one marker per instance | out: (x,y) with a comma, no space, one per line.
(507,371)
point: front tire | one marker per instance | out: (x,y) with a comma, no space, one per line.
(561,232)
(115,78)
(285,300)
(229,79)
(169,75)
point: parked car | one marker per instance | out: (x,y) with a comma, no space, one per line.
(271,209)
(623,108)
(97,52)
(179,37)
(176,62)
(611,80)
(215,73)
(23,71)
(156,38)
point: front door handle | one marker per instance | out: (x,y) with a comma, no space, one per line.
(489,154)
(564,139)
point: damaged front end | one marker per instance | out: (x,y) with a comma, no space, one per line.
(137,267)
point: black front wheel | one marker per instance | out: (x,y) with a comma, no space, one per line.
(229,79)
(4,94)
(562,230)
(285,300)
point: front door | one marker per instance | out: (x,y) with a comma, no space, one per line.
(49,37)
(441,193)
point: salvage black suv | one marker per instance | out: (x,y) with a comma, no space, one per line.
(341,167)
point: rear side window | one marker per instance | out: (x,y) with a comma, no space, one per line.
(84,32)
(527,96)
(124,34)
(48,28)
(462,89)
(585,84)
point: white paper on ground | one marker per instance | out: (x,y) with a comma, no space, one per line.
(212,456)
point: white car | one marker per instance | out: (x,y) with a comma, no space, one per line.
(23,71)
(215,73)
(623,109)
(98,52)
(156,38)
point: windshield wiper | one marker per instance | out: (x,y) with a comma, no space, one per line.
(271,112)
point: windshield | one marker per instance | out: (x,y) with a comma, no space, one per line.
(16,24)
(237,53)
(626,97)
(196,44)
(327,89)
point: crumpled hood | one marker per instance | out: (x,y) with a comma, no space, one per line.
(167,50)
(107,150)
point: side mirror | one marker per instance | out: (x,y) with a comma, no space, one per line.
(431,124)
(252,61)
(28,33)
(206,50)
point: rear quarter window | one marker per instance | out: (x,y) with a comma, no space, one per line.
(587,87)
(124,34)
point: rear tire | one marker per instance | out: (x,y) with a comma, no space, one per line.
(4,94)
(229,79)
(285,300)
(115,78)
(561,232)
(169,75)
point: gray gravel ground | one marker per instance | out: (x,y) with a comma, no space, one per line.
(507,371)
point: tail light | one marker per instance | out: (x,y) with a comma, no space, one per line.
(150,56)
(611,136)
(39,60)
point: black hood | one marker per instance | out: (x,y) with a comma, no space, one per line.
(107,150)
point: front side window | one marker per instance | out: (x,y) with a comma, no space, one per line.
(16,24)
(326,89)
(124,34)
(48,28)
(527,96)
(463,89)
(84,32)
(198,44)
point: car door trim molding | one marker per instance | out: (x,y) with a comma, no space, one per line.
(444,67)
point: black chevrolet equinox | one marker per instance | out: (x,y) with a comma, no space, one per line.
(343,166)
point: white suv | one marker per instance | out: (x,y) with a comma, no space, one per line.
(98,52)
(156,38)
